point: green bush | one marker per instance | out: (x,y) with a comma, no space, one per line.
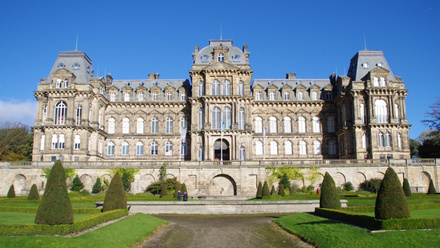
(371,185)
(55,206)
(406,187)
(310,188)
(176,189)
(329,195)
(273,190)
(115,197)
(97,187)
(285,181)
(431,189)
(281,190)
(266,191)
(348,186)
(84,192)
(171,184)
(391,202)
(33,193)
(163,191)
(126,181)
(11,191)
(294,187)
(77,185)
(259,191)
(183,190)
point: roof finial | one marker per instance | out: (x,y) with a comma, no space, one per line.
(365,42)
(76,46)
(221,32)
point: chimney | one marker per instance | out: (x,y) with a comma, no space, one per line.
(109,79)
(291,76)
(153,76)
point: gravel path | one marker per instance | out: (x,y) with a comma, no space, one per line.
(222,231)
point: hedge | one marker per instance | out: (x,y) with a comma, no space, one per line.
(80,225)
(367,209)
(34,210)
(376,224)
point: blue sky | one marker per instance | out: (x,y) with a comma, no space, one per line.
(132,39)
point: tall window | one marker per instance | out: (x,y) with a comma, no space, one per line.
(126,125)
(124,149)
(272,124)
(140,125)
(169,148)
(183,96)
(227,117)
(111,149)
(316,125)
(362,112)
(364,141)
(58,83)
(44,114)
(112,97)
(287,125)
(183,148)
(78,115)
(257,96)
(380,107)
(65,83)
(300,95)
(331,124)
(111,125)
(375,82)
(200,155)
(331,148)
(288,148)
(215,118)
(314,95)
(272,96)
(221,57)
(77,144)
(226,88)
(141,97)
(259,148)
(183,124)
(61,141)
(127,97)
(139,149)
(329,95)
(302,147)
(301,124)
(54,141)
(286,95)
(241,153)
(380,139)
(387,139)
(154,125)
(241,88)
(201,88)
(155,96)
(258,125)
(241,119)
(273,148)
(317,147)
(399,141)
(169,96)
(169,125)
(201,121)
(154,147)
(42,142)
(60,113)
(382,82)
(396,112)
(215,88)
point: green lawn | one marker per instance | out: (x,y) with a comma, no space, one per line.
(327,233)
(26,218)
(124,233)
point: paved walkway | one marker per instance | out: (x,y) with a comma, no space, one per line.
(222,231)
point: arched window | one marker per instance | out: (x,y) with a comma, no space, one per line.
(259,148)
(287,125)
(300,95)
(380,139)
(364,140)
(183,124)
(139,149)
(387,139)
(241,153)
(141,97)
(111,125)
(169,125)
(241,88)
(169,96)
(380,107)
(201,121)
(257,96)
(399,141)
(331,148)
(317,147)
(316,125)
(124,149)
(127,97)
(77,142)
(110,149)
(382,82)
(216,118)
(302,147)
(44,114)
(112,97)
(226,88)
(396,112)
(215,88)
(154,148)
(221,57)
(241,119)
(227,117)
(331,124)
(273,148)
(200,154)
(314,95)
(60,113)
(126,125)
(65,83)
(169,148)
(42,142)
(288,148)
(375,82)
(154,125)
(140,125)
(301,124)
(258,125)
(58,85)
(286,95)
(272,124)
(183,96)
(272,96)
(201,88)
(78,115)
(155,96)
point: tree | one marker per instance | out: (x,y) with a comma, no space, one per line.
(430,148)
(348,186)
(266,191)
(273,190)
(97,187)
(391,201)
(115,197)
(434,117)
(281,191)
(414,148)
(163,191)
(33,193)
(55,206)
(285,181)
(259,191)
(16,140)
(176,189)
(77,185)
(406,187)
(183,190)
(126,181)
(371,185)
(329,193)
(431,189)
(163,172)
(11,191)
(156,187)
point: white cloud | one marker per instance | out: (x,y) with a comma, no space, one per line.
(18,111)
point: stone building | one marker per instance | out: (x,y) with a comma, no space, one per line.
(220,114)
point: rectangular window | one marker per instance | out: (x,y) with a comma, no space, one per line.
(362,112)
(77,144)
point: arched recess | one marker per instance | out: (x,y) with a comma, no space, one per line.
(19,184)
(339,179)
(170,176)
(379,175)
(105,180)
(141,183)
(358,178)
(424,180)
(222,185)
(87,180)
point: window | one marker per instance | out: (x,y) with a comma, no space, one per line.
(331,148)
(380,140)
(216,118)
(215,88)
(111,149)
(258,125)
(141,97)
(169,96)
(111,125)
(331,124)
(60,113)
(387,139)
(375,82)
(58,85)
(271,95)
(169,148)
(301,124)
(300,95)
(380,107)
(257,96)
(236,58)
(126,125)
(200,155)
(227,117)
(362,112)
(259,148)
(61,142)
(314,95)
(396,112)
(201,121)
(382,82)
(183,96)
(241,119)
(154,125)
(140,125)
(169,125)
(61,65)
(273,148)
(201,88)
(139,149)
(112,97)
(205,58)
(364,141)
(286,95)
(317,147)
(302,147)
(127,97)
(154,148)
(399,141)
(329,95)
(77,144)
(78,115)
(44,113)
(75,66)
(155,96)
(42,142)
(287,125)
(288,148)
(54,141)
(241,153)
(124,149)
(241,88)
(226,88)
(221,57)
(183,149)
(65,83)
(316,125)
(272,124)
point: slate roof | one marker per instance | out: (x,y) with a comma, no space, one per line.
(76,62)
(366,60)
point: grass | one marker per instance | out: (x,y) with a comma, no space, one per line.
(124,233)
(26,218)
(327,233)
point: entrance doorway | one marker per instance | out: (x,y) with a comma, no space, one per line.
(221,148)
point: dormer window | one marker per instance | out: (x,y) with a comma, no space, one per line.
(221,57)
(271,95)
(58,85)
(380,64)
(382,82)
(65,83)
(169,96)
(300,95)
(257,96)
(329,95)
(205,58)
(127,97)
(75,66)
(155,96)
(314,96)
(365,65)
(236,58)
(375,82)
(61,65)
(88,69)
(286,95)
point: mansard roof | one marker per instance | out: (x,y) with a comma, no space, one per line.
(293,83)
(76,62)
(366,60)
(149,83)
(205,55)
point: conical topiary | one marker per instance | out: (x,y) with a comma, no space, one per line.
(281,191)
(391,201)
(11,191)
(183,189)
(273,191)
(176,190)
(97,187)
(329,194)
(115,197)
(55,206)
(431,189)
(77,185)
(266,189)
(163,191)
(406,187)
(260,191)
(33,193)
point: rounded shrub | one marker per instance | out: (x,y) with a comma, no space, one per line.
(266,191)
(77,185)
(431,189)
(391,202)
(281,190)
(260,191)
(97,187)
(11,191)
(406,187)
(115,197)
(55,206)
(163,191)
(273,191)
(33,193)
(329,194)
